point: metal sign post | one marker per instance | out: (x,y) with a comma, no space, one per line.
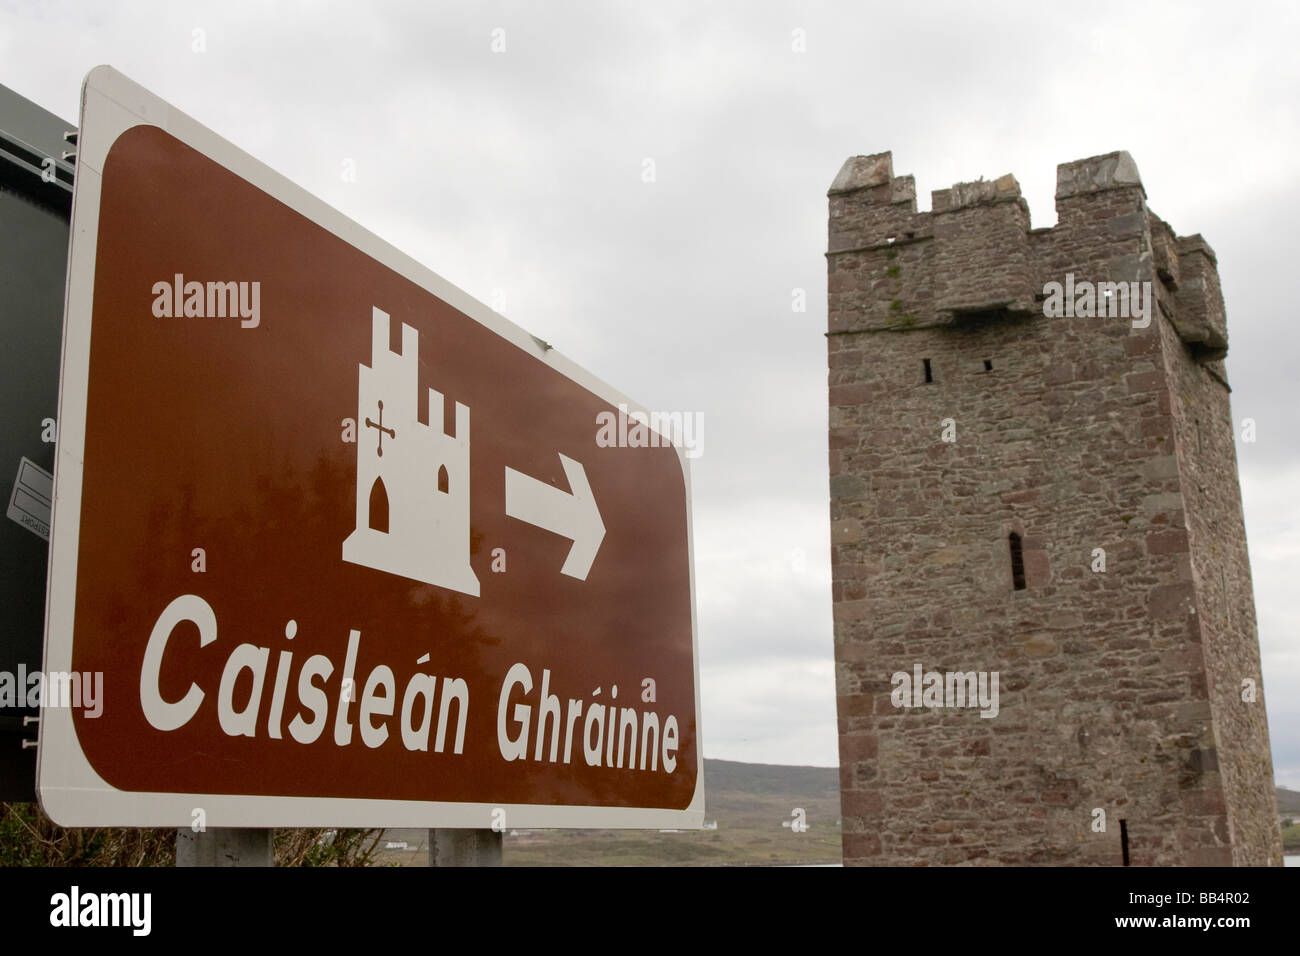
(464,847)
(225,847)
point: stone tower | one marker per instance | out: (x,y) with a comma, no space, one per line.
(1033,477)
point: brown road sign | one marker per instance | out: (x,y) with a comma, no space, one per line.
(346,547)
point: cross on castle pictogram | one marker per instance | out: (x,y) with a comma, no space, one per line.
(391,432)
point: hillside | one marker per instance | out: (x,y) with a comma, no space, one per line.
(749,802)
(1288,801)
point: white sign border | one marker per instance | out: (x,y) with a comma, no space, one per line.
(70,790)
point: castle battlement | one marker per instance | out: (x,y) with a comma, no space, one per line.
(974,252)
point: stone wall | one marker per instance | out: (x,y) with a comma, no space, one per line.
(1119,689)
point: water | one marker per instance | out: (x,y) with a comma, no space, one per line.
(1292,860)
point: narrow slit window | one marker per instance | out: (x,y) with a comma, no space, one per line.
(988,365)
(1017,562)
(1123,839)
(929,376)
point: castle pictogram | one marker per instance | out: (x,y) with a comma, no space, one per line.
(412,478)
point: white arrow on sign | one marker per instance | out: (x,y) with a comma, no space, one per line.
(570,514)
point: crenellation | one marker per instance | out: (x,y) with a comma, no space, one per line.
(1198,314)
(1097,174)
(960,195)
(864,172)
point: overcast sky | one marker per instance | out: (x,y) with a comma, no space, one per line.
(517,174)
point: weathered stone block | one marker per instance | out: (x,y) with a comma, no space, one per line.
(861,172)
(1097,173)
(1170,600)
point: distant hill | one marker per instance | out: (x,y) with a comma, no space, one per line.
(1288,801)
(748,801)
(729,776)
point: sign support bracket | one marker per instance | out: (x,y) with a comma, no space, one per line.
(449,847)
(226,846)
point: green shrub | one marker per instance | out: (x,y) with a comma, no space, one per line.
(1291,837)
